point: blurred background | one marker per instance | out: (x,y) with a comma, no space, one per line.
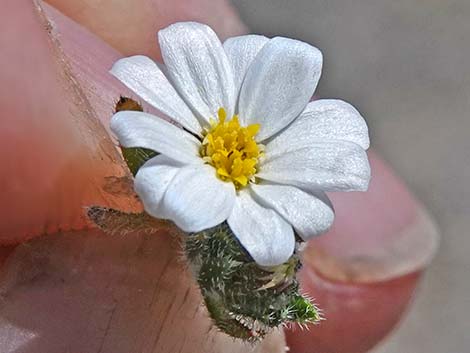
(404,64)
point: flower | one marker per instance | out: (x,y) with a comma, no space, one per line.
(253,150)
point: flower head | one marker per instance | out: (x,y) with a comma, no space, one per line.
(254,151)
(232,150)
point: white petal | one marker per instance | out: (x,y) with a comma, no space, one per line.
(322,120)
(152,180)
(279,84)
(143,76)
(199,68)
(137,129)
(326,166)
(309,214)
(197,200)
(241,51)
(267,237)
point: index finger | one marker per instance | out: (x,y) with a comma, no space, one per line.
(131,26)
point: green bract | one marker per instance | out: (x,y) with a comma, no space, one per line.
(243,299)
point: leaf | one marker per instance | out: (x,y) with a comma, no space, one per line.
(135,157)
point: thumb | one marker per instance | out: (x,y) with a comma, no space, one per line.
(52,165)
(88,291)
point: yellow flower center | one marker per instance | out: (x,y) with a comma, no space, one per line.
(231,149)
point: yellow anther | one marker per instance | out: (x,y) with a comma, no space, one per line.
(231,149)
(222,115)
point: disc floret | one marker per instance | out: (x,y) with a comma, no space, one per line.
(232,149)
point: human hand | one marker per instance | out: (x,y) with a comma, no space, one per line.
(76,289)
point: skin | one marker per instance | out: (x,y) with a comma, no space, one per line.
(94,293)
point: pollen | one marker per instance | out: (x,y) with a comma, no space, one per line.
(231,149)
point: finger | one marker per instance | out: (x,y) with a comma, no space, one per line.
(151,320)
(90,60)
(29,105)
(363,273)
(91,292)
(52,166)
(131,27)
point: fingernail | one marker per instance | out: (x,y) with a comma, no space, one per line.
(377,235)
(363,273)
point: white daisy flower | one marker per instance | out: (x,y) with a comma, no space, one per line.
(254,151)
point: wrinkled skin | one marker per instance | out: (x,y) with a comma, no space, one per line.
(68,288)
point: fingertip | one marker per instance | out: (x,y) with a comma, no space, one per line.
(378,234)
(92,292)
(364,271)
(130,27)
(55,153)
(357,315)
